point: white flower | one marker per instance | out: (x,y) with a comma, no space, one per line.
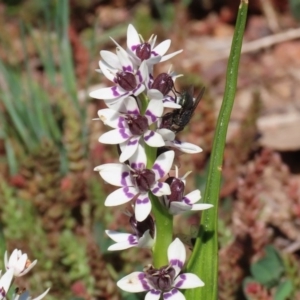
(120,70)
(18,262)
(136,180)
(143,238)
(176,202)
(165,281)
(147,51)
(5,283)
(25,296)
(130,126)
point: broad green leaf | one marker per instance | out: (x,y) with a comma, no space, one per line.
(269,269)
(284,290)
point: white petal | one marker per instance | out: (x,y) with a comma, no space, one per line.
(142,207)
(179,207)
(111,59)
(6,280)
(153,139)
(160,189)
(131,106)
(123,240)
(109,117)
(192,197)
(107,93)
(155,109)
(162,48)
(153,60)
(153,295)
(168,56)
(107,70)
(139,158)
(138,90)
(185,147)
(124,60)
(106,166)
(163,164)
(146,241)
(142,73)
(176,255)
(42,295)
(201,206)
(120,196)
(155,94)
(118,237)
(133,39)
(174,294)
(130,148)
(115,136)
(133,283)
(188,281)
(117,174)
(167,134)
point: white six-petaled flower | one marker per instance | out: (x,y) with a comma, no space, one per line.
(136,180)
(176,202)
(5,282)
(165,281)
(18,262)
(130,126)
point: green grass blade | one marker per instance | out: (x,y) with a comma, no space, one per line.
(204,259)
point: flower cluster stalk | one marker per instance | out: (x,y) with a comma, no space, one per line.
(145,135)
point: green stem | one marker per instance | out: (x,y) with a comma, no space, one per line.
(164,232)
(204,259)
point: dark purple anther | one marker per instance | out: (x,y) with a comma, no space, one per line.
(126,81)
(140,227)
(164,83)
(143,179)
(161,279)
(143,51)
(137,124)
(177,189)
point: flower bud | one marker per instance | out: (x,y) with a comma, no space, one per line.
(177,189)
(126,81)
(164,83)
(143,51)
(141,227)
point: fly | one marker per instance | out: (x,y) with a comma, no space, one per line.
(179,118)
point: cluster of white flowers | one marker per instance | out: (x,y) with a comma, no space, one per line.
(135,111)
(16,265)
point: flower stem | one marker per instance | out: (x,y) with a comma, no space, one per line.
(204,259)
(164,229)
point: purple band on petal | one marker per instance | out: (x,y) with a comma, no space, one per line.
(139,76)
(137,166)
(176,262)
(133,48)
(121,122)
(177,142)
(127,69)
(132,142)
(151,115)
(150,135)
(132,239)
(159,186)
(182,280)
(123,133)
(155,292)
(160,171)
(186,200)
(133,112)
(170,294)
(142,279)
(114,90)
(124,175)
(127,193)
(154,53)
(142,201)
